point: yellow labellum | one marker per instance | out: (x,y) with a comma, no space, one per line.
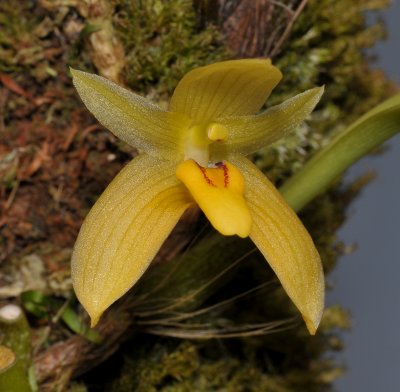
(219,193)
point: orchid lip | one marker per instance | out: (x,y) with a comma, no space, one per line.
(219,192)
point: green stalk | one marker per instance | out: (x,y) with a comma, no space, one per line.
(15,340)
(367,133)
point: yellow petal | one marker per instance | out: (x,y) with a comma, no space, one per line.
(285,243)
(230,87)
(132,118)
(248,134)
(124,230)
(219,193)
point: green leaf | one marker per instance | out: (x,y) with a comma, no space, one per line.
(76,324)
(44,306)
(368,132)
(36,303)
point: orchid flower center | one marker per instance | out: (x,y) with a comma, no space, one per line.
(200,137)
(218,188)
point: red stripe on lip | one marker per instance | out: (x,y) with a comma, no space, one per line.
(203,170)
(219,165)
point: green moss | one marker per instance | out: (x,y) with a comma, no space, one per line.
(16,47)
(326,47)
(198,367)
(184,368)
(25,39)
(163,41)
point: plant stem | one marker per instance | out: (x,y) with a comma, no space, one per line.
(15,336)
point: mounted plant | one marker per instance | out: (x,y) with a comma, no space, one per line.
(215,146)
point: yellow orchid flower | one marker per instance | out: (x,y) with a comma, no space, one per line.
(194,152)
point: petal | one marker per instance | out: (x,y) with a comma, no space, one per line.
(124,230)
(230,87)
(132,118)
(285,243)
(248,134)
(219,193)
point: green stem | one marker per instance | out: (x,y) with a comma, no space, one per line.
(368,132)
(15,337)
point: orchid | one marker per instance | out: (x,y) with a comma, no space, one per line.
(194,153)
